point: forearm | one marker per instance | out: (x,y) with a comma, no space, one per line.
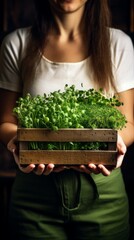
(7,132)
(127,134)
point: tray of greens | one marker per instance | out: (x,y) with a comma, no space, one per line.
(72,110)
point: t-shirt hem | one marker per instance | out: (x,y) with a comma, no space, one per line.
(125,87)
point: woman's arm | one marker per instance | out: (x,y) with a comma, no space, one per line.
(127,133)
(8,122)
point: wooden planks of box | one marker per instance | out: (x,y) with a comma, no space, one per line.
(65,157)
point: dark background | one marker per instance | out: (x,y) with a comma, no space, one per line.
(18,13)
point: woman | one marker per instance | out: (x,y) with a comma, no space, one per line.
(69,43)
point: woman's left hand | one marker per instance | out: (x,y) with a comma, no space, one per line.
(96,169)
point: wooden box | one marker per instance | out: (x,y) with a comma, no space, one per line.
(106,157)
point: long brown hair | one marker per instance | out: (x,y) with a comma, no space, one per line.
(97,22)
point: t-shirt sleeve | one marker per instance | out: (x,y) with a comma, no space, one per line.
(10,57)
(123,62)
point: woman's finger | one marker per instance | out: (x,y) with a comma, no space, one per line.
(48,169)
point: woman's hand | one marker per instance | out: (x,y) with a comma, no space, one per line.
(96,169)
(37,169)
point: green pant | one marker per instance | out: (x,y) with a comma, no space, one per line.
(69,206)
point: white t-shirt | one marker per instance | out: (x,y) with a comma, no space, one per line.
(52,76)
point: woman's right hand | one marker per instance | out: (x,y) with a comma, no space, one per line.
(37,169)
